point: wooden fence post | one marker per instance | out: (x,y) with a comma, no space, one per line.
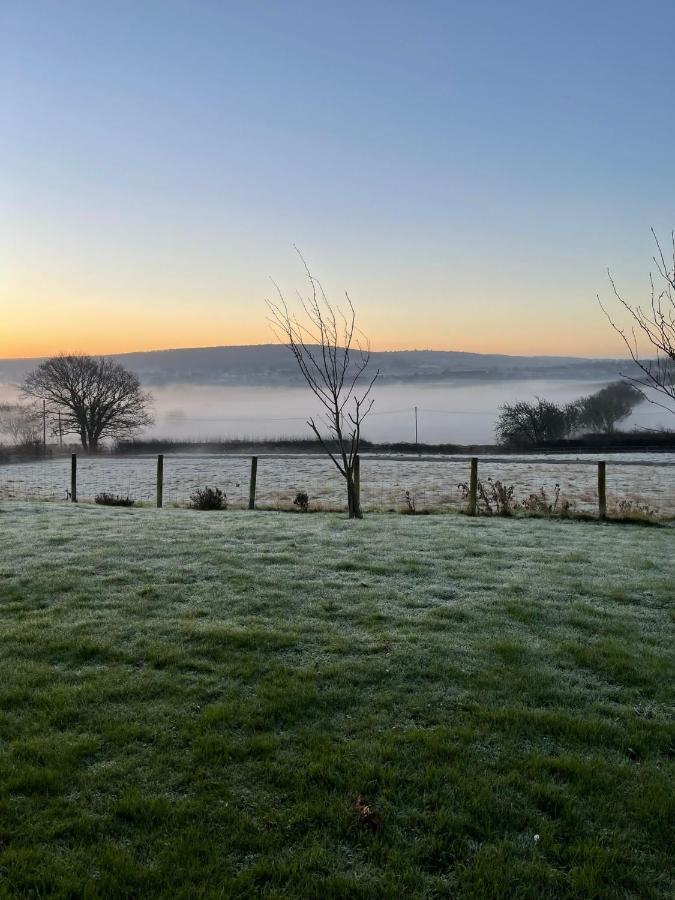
(602,490)
(473,487)
(160,480)
(357,481)
(251,485)
(73,478)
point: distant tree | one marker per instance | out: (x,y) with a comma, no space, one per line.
(333,357)
(527,424)
(654,325)
(97,397)
(610,405)
(22,423)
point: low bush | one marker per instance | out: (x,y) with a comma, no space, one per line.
(542,503)
(302,501)
(493,498)
(633,509)
(106,499)
(208,498)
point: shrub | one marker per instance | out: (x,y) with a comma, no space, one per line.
(632,509)
(493,498)
(302,501)
(542,503)
(106,499)
(498,494)
(539,502)
(208,498)
(496,498)
(411,503)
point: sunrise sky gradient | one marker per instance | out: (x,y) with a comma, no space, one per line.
(467,170)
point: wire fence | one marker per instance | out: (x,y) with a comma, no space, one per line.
(644,486)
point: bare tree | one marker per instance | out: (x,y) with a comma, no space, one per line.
(97,397)
(333,357)
(22,423)
(528,424)
(654,325)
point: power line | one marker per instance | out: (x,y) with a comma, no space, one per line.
(234,418)
(458,412)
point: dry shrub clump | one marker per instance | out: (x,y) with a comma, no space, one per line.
(495,498)
(208,498)
(634,509)
(542,503)
(302,501)
(106,499)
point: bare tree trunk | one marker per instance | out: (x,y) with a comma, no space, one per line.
(353,504)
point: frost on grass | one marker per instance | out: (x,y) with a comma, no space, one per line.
(177,687)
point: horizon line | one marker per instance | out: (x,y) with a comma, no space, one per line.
(280,344)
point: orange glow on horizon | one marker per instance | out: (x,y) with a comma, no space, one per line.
(35,328)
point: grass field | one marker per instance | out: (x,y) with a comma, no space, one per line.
(190,704)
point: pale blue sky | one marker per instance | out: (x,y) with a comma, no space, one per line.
(467,170)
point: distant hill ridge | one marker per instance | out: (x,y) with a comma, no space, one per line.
(272,364)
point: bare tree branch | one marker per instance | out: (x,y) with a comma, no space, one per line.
(654,326)
(323,342)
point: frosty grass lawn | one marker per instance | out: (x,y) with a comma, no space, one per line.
(190,704)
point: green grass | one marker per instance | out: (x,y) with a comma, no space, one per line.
(190,704)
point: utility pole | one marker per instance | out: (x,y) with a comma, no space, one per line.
(60,431)
(44,424)
(415,427)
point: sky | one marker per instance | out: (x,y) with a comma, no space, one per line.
(467,171)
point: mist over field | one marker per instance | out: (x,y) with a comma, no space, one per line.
(447,413)
(225,392)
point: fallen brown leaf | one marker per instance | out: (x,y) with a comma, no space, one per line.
(367,816)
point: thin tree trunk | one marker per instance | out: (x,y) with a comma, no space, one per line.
(353,505)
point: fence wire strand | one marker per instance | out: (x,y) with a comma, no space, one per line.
(388,483)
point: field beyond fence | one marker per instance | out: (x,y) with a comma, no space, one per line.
(635,485)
